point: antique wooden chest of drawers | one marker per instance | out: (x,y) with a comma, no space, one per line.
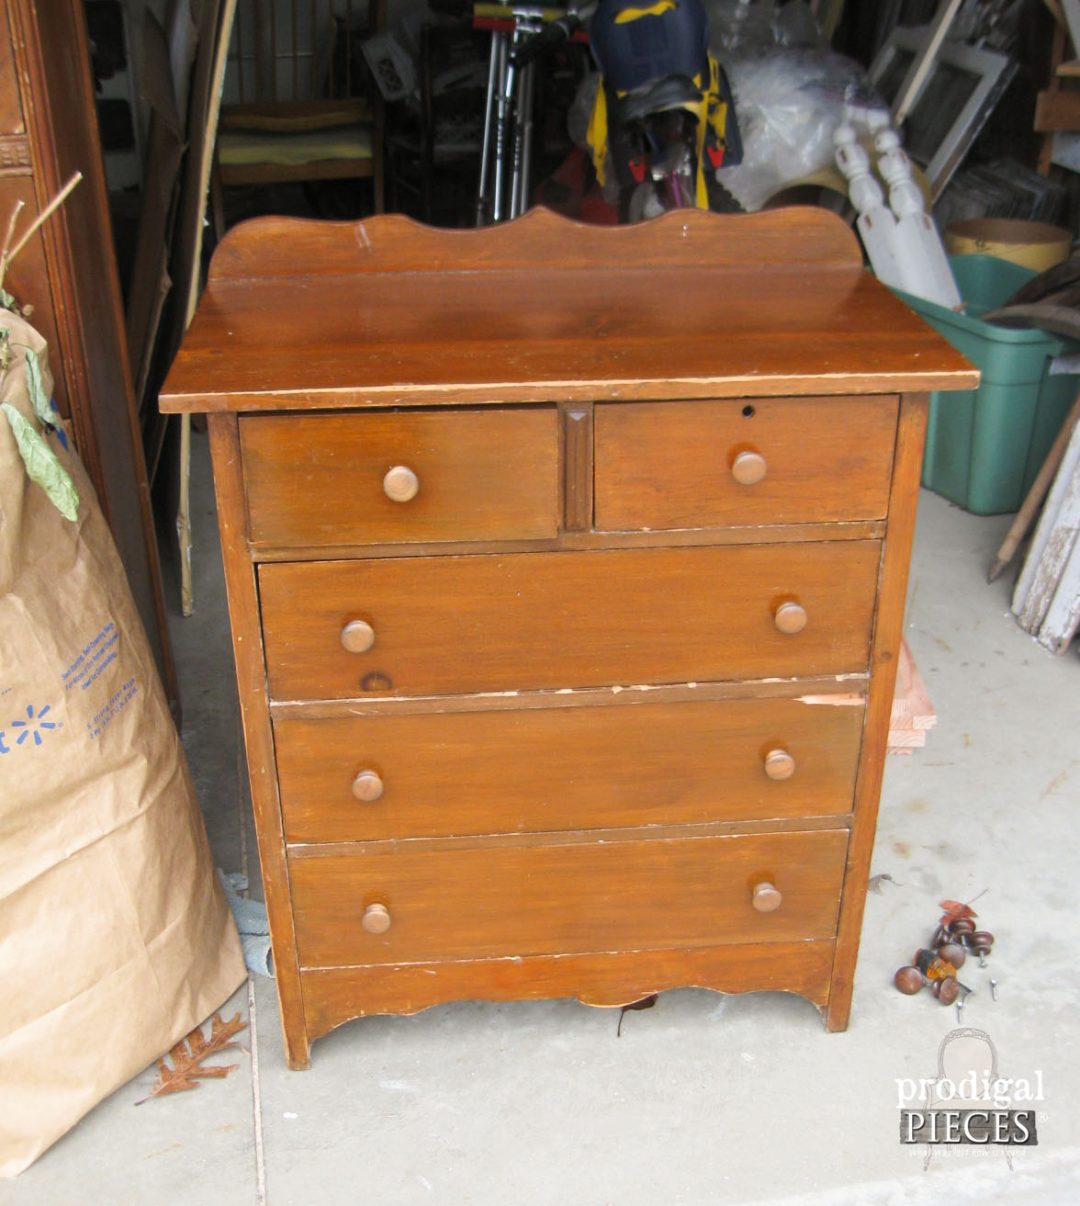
(566,569)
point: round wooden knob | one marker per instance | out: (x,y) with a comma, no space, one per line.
(400,484)
(946,990)
(367,786)
(790,618)
(748,468)
(357,636)
(779,764)
(376,919)
(766,898)
(909,980)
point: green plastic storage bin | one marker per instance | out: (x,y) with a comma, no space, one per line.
(985,446)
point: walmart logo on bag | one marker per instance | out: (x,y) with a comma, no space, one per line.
(24,729)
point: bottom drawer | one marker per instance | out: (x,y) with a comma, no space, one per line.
(495,900)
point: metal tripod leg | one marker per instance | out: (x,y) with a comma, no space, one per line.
(502,129)
(497,39)
(517,155)
(525,125)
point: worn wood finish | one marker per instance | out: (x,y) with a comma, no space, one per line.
(884,659)
(676,465)
(11,115)
(492,475)
(479,902)
(842,689)
(564,768)
(785,533)
(764,242)
(571,837)
(258,736)
(609,979)
(577,427)
(591,762)
(505,320)
(458,624)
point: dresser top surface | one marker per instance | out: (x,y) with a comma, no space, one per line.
(384,312)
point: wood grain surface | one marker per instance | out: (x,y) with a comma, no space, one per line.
(558,620)
(670,465)
(694,305)
(610,979)
(487,475)
(564,768)
(546,776)
(533,900)
(885,659)
(241,591)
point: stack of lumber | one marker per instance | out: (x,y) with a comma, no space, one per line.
(1046,601)
(913,714)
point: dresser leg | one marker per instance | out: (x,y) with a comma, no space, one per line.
(297,1052)
(838,1010)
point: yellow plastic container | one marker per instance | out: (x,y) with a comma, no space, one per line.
(1034,245)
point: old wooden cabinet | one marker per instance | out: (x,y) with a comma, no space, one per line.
(68,273)
(566,569)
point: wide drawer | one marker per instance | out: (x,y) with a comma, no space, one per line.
(564,768)
(531,900)
(445,625)
(743,462)
(321,480)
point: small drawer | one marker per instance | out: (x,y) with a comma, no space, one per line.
(401,477)
(746,461)
(528,621)
(478,902)
(471,773)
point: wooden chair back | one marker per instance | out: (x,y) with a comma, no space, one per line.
(295,69)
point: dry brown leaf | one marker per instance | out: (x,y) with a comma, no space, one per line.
(187,1056)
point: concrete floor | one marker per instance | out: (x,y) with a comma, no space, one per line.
(704,1099)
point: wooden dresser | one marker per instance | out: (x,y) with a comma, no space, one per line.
(566,570)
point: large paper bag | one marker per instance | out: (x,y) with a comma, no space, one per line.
(115,939)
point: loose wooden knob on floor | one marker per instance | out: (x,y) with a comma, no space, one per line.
(748,468)
(400,484)
(357,636)
(376,919)
(367,786)
(766,897)
(909,980)
(790,618)
(779,764)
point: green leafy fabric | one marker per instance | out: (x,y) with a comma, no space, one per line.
(39,400)
(42,464)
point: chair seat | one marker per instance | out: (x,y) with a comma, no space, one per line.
(243,148)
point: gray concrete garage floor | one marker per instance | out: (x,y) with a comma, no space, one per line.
(704,1099)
